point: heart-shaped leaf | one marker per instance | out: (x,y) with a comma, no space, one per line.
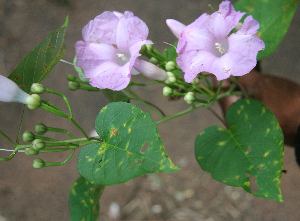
(38,63)
(131,147)
(274,18)
(84,200)
(252,146)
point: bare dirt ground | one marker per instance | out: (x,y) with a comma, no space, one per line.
(190,194)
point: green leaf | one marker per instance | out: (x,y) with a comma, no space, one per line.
(252,146)
(126,132)
(274,18)
(84,200)
(79,71)
(114,96)
(170,53)
(40,61)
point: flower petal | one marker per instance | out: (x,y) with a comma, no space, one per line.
(102,29)
(150,70)
(175,26)
(194,62)
(224,20)
(130,30)
(111,76)
(10,92)
(92,55)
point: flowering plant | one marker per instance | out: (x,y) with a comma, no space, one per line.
(127,144)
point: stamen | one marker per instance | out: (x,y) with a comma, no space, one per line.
(122,56)
(219,47)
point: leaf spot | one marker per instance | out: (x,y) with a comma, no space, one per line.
(266,154)
(145,147)
(132,165)
(249,150)
(221,143)
(113,132)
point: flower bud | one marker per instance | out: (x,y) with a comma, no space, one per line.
(189,97)
(175,26)
(170,66)
(150,70)
(195,81)
(71,77)
(149,47)
(28,136)
(143,49)
(37,88)
(73,86)
(38,163)
(38,144)
(171,78)
(167,91)
(153,60)
(31,152)
(33,101)
(40,129)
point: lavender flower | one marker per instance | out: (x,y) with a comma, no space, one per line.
(205,45)
(109,50)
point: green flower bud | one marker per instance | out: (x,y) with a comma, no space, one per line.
(153,60)
(38,163)
(37,88)
(143,49)
(170,66)
(189,97)
(195,81)
(33,101)
(40,129)
(167,91)
(73,86)
(31,152)
(38,144)
(149,47)
(71,77)
(170,78)
(28,136)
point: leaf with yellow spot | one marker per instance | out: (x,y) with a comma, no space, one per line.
(247,149)
(274,18)
(84,200)
(119,157)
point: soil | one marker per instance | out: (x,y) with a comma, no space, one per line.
(190,194)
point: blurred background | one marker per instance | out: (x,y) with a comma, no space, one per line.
(190,194)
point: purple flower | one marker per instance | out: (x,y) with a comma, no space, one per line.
(110,47)
(204,45)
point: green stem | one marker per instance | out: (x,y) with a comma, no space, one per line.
(151,105)
(143,84)
(7,137)
(47,164)
(63,97)
(143,102)
(207,81)
(206,89)
(79,128)
(21,124)
(88,88)
(194,107)
(14,152)
(49,104)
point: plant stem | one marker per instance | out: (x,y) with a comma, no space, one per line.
(182,113)
(143,102)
